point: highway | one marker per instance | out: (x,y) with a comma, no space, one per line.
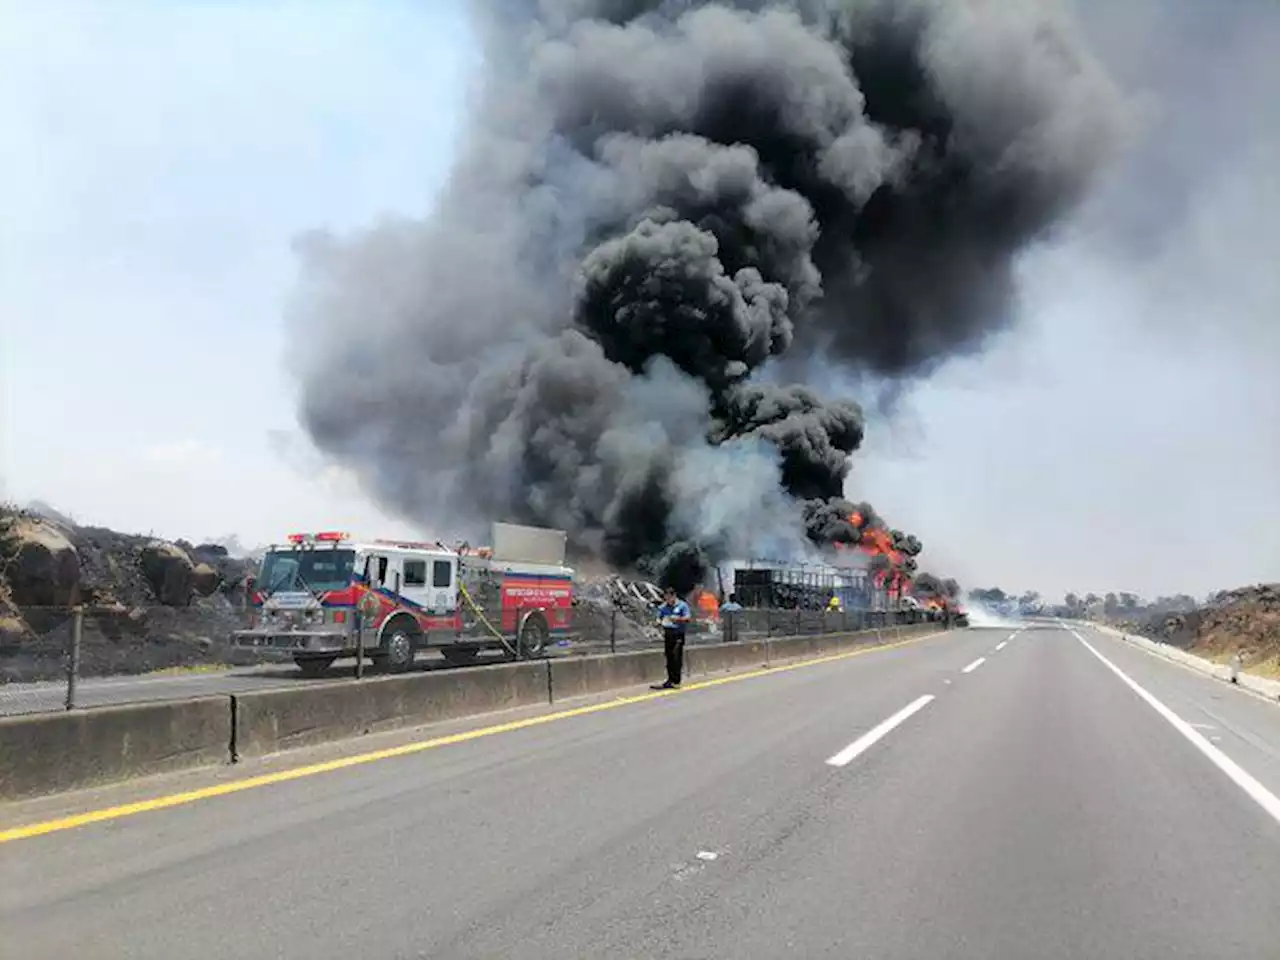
(1041,793)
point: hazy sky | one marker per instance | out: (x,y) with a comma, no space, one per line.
(159,157)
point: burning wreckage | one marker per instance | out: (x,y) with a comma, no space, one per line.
(661,214)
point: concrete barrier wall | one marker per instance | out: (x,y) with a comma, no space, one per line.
(704,661)
(53,752)
(791,648)
(50,753)
(274,720)
(579,676)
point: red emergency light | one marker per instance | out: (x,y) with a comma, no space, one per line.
(328,536)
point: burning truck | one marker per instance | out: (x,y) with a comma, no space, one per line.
(798,586)
(326,595)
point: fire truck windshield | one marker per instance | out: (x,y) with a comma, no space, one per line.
(311,570)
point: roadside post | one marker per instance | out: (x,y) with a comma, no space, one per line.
(367,609)
(73,661)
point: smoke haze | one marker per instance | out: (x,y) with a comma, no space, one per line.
(661,212)
(1122,438)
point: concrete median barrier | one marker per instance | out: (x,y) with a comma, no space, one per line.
(791,648)
(54,752)
(721,657)
(581,676)
(276,720)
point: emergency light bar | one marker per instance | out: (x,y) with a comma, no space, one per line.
(412,544)
(329,536)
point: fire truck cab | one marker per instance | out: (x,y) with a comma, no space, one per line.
(324,596)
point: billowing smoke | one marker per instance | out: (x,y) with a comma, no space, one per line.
(663,207)
(929,586)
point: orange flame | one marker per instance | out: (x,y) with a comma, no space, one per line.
(878,542)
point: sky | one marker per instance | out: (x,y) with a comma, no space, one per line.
(160,158)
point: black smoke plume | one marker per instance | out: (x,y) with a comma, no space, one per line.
(659,209)
(929,586)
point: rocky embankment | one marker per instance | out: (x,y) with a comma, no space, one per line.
(149,604)
(1245,621)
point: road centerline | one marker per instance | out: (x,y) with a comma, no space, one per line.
(1001,645)
(878,732)
(975,665)
(1238,775)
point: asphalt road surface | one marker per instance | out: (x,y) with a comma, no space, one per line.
(975,795)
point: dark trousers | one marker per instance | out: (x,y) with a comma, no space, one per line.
(673,646)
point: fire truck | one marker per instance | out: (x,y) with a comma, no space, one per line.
(325,595)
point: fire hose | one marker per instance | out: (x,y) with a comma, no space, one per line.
(475,609)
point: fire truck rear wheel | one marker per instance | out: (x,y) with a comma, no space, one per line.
(534,635)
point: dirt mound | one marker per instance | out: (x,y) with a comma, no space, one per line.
(1244,621)
(149,603)
(1176,629)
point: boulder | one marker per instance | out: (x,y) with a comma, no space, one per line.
(210,552)
(169,571)
(205,579)
(12,627)
(40,564)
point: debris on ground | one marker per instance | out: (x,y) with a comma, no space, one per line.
(612,607)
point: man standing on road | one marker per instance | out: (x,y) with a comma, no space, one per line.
(674,617)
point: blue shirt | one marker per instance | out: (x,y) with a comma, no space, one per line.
(677,609)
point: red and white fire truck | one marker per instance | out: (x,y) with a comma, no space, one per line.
(322,595)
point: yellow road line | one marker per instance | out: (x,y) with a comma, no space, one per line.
(328,766)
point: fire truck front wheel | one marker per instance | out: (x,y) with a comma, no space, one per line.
(398,644)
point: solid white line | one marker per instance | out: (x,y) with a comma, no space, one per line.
(975,665)
(1242,779)
(869,739)
(1000,645)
